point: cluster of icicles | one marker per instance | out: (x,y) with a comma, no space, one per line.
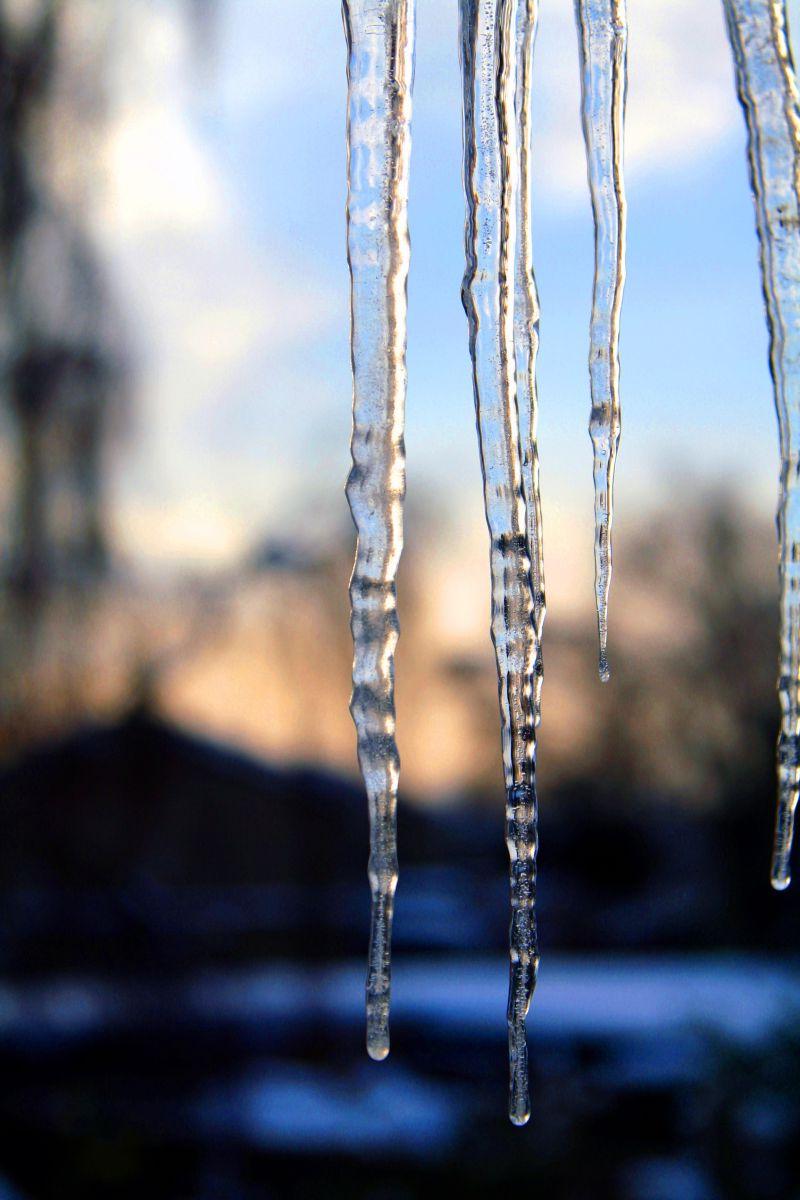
(500,299)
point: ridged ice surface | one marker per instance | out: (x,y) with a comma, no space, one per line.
(489,61)
(767,88)
(380,45)
(526,329)
(602,30)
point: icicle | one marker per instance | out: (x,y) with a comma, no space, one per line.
(602,28)
(380,46)
(491,178)
(526,330)
(767,87)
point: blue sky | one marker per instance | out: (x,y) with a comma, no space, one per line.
(233,273)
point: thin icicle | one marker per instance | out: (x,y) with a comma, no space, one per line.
(526,330)
(380,46)
(602,28)
(767,87)
(488,44)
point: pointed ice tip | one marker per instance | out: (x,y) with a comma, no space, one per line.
(780,875)
(377,1045)
(605,670)
(519,1101)
(378,1002)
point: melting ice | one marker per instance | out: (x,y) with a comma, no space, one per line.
(492,34)
(526,329)
(602,30)
(500,299)
(767,87)
(380,65)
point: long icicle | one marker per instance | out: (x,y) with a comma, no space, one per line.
(767,87)
(602,29)
(380,47)
(488,62)
(526,330)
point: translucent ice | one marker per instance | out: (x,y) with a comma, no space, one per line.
(767,89)
(380,65)
(490,64)
(602,30)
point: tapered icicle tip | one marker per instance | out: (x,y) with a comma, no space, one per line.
(379,971)
(519,1110)
(377,1046)
(602,566)
(378,1028)
(781,869)
(521,838)
(519,1101)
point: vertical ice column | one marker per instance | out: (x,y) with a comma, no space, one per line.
(491,180)
(380,65)
(602,29)
(767,87)
(526,329)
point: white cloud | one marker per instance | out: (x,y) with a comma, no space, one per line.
(681,99)
(204,297)
(157,179)
(193,529)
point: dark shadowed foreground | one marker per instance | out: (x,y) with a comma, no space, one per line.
(181,1012)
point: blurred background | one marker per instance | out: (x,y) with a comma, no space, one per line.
(183,897)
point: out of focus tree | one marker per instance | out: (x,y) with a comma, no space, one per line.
(62,365)
(691,714)
(61,360)
(64,369)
